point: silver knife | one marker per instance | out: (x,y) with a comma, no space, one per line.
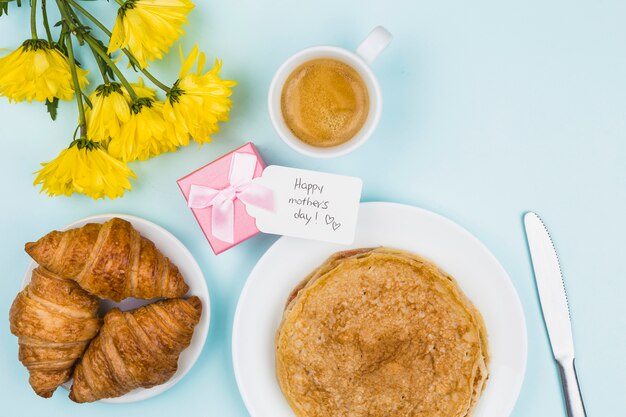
(555,309)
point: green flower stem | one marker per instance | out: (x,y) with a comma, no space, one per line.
(130,56)
(102,53)
(120,2)
(62,34)
(66,18)
(89,16)
(46,25)
(101,67)
(33,18)
(79,94)
(94,45)
(145,71)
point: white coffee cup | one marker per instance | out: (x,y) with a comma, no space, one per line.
(366,53)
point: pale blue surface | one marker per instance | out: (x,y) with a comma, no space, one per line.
(490,109)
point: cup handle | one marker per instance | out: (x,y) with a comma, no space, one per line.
(374,44)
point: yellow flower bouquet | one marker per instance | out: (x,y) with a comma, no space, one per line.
(119,121)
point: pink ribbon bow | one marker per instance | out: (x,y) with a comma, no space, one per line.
(240,187)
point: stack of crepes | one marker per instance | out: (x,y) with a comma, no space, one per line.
(381,332)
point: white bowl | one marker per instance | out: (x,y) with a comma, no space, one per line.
(179,255)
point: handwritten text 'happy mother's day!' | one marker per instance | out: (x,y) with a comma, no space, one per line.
(312,208)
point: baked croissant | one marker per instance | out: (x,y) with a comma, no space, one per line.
(138,348)
(110,260)
(54,320)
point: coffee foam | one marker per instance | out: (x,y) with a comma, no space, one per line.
(324,102)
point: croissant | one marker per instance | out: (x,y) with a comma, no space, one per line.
(54,320)
(110,260)
(138,348)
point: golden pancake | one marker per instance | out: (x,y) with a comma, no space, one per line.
(381,332)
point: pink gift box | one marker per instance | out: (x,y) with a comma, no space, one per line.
(215,175)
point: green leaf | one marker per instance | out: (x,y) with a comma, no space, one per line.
(52,107)
(87,101)
(134,67)
(109,72)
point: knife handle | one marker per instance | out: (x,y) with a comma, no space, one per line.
(571,389)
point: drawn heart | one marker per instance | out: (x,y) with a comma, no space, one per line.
(331,221)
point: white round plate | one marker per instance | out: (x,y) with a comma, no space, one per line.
(454,249)
(181,257)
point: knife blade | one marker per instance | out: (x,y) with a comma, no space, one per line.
(555,309)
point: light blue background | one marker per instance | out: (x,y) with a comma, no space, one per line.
(491,108)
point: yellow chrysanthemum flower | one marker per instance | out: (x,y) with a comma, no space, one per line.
(85,168)
(149,27)
(144,134)
(197,102)
(110,110)
(37,71)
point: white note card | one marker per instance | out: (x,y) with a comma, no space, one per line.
(309,204)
